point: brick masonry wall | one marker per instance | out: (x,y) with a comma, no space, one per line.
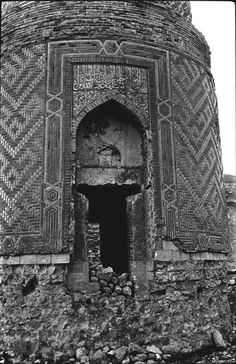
(230,190)
(152,25)
(145,21)
(93,244)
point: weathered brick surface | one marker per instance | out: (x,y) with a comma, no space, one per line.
(230,191)
(144,21)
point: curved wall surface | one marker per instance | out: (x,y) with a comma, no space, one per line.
(170,88)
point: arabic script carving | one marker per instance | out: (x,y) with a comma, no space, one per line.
(91,81)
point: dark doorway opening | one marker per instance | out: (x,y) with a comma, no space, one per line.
(107,206)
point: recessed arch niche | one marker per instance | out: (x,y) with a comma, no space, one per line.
(109,189)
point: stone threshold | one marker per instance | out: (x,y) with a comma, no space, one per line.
(36,259)
(161,255)
(174,256)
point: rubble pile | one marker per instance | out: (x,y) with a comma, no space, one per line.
(112,283)
(130,354)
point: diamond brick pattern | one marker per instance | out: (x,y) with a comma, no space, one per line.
(21,140)
(198,154)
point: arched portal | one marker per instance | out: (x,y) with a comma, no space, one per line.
(109,136)
(110,171)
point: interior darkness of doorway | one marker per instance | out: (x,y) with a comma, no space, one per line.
(107,206)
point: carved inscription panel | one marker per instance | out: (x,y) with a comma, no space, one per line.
(93,81)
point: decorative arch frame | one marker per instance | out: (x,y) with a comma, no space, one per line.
(58,165)
(140,116)
(79,257)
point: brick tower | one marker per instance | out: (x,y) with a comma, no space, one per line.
(110,170)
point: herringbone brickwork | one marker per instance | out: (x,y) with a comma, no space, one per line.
(198,154)
(21,133)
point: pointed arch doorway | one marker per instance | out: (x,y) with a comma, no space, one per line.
(110,176)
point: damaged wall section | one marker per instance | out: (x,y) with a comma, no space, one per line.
(170,317)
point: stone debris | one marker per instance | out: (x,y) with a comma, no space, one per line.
(218,339)
(80,352)
(111,282)
(120,353)
(130,354)
(154,349)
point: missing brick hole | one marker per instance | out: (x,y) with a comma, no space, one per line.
(199,290)
(210,301)
(29,286)
(159,292)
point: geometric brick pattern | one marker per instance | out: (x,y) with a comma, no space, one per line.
(61,122)
(21,140)
(181,122)
(201,202)
(167,167)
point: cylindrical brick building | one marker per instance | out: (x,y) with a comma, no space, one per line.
(110,168)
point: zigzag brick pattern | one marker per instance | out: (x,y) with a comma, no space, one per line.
(21,133)
(198,154)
